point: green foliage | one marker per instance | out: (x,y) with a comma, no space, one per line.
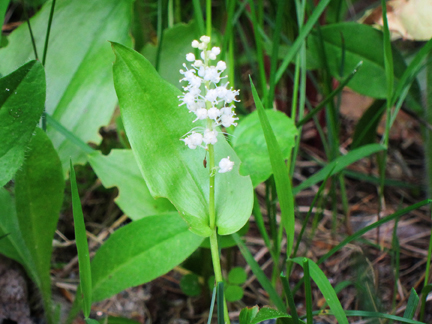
(280,171)
(33,220)
(190,285)
(149,107)
(250,144)
(176,43)
(237,275)
(120,169)
(326,289)
(140,252)
(78,68)
(22,98)
(361,43)
(82,246)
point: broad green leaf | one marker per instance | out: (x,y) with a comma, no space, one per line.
(118,320)
(267,313)
(154,124)
(339,164)
(237,275)
(326,289)
(362,43)
(176,43)
(82,246)
(120,169)
(233,293)
(140,252)
(190,285)
(22,98)
(250,144)
(39,188)
(282,179)
(3,7)
(80,94)
(12,245)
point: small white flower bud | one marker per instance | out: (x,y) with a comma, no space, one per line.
(198,63)
(190,57)
(216,50)
(195,44)
(225,165)
(211,95)
(205,39)
(193,140)
(221,66)
(211,55)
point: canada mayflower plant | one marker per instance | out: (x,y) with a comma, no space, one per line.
(206,99)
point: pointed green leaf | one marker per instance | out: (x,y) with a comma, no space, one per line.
(283,182)
(22,98)
(267,313)
(120,169)
(82,246)
(80,94)
(154,124)
(39,188)
(326,289)
(140,252)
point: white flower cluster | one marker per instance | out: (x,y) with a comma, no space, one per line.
(208,101)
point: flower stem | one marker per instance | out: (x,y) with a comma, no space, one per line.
(213,237)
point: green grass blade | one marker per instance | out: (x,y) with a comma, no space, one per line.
(338,165)
(220,303)
(212,303)
(424,293)
(326,289)
(275,50)
(371,314)
(411,305)
(283,182)
(69,135)
(366,229)
(290,299)
(301,37)
(260,223)
(199,16)
(261,276)
(329,97)
(308,290)
(82,246)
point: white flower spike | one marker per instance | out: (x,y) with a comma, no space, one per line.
(206,99)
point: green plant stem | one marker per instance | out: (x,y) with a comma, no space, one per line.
(45,52)
(208,18)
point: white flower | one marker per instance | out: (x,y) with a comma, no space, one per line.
(211,95)
(210,136)
(205,39)
(201,113)
(214,113)
(228,120)
(193,140)
(206,99)
(225,165)
(216,50)
(190,57)
(221,66)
